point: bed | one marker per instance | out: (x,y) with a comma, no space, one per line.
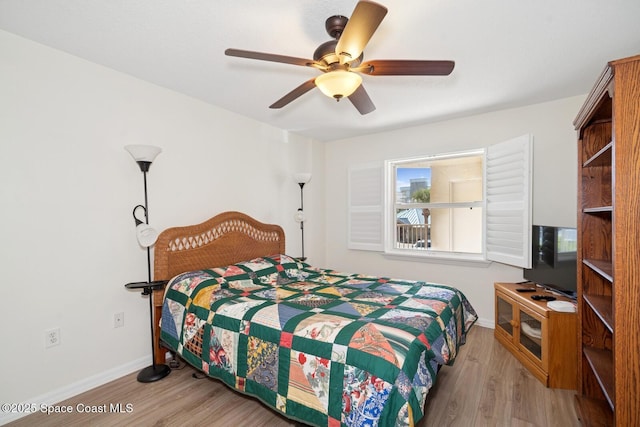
(320,346)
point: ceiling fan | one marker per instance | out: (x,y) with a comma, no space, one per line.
(340,60)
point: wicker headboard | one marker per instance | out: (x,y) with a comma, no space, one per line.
(225,239)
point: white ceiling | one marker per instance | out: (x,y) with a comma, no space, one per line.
(508,53)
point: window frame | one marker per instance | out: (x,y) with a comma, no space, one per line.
(390,207)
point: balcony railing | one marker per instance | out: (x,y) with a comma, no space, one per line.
(412,236)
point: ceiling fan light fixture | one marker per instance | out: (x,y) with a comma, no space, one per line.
(339,83)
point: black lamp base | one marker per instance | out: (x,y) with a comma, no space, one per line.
(153,373)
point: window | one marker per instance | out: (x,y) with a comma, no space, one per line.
(464,206)
(438,203)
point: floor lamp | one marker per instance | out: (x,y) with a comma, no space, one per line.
(301,179)
(147,236)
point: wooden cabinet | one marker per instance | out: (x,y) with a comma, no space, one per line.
(608,126)
(544,340)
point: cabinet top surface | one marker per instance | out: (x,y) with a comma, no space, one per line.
(525,299)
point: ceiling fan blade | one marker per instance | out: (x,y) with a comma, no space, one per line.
(270,57)
(360,99)
(294,94)
(363,23)
(383,67)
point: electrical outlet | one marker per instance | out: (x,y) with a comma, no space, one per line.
(118,320)
(52,337)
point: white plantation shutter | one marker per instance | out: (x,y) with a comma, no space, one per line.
(366,207)
(508,201)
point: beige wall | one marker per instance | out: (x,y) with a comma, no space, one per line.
(456,180)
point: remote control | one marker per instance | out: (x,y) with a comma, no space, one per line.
(543,298)
(525,290)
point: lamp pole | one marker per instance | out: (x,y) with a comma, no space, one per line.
(144,166)
(153,372)
(301,184)
(144,155)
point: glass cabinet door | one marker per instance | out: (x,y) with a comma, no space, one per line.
(531,334)
(505,315)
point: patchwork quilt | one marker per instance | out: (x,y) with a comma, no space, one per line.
(320,346)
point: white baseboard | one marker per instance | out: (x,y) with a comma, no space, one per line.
(486,323)
(71,390)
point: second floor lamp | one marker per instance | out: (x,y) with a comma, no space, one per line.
(301,179)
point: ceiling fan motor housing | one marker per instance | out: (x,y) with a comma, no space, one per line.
(326,54)
(335,25)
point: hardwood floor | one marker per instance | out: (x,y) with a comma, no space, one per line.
(486,387)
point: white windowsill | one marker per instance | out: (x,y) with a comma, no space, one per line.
(469,260)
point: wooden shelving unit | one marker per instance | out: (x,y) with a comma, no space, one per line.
(608,128)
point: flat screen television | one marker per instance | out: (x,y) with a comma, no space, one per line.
(554,255)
